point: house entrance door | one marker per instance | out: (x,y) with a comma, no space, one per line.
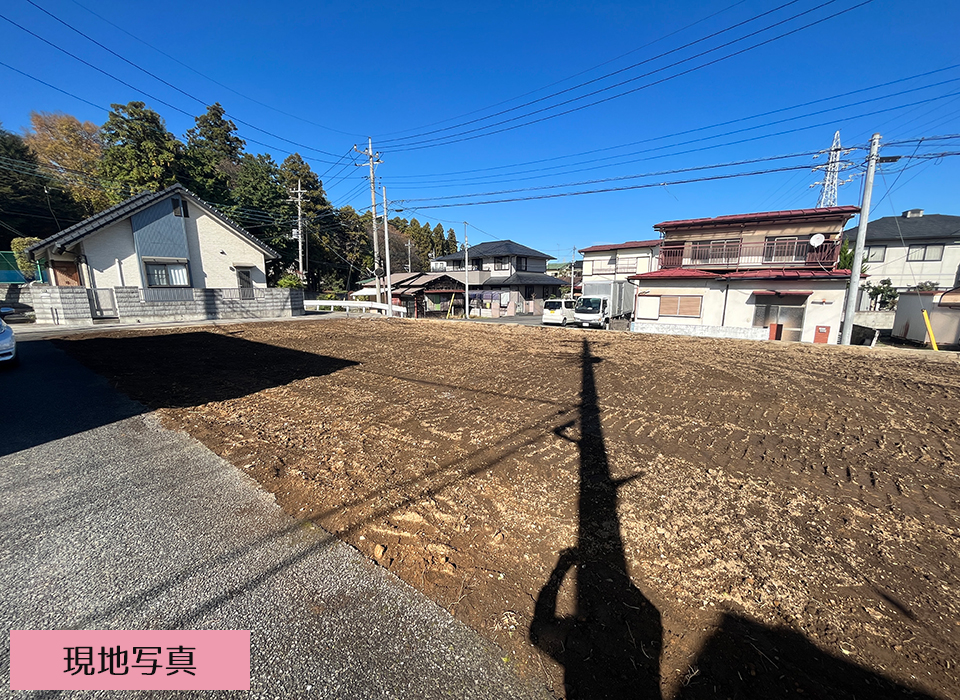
(65,274)
(245,282)
(788,316)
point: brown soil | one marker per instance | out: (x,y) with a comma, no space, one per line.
(625,515)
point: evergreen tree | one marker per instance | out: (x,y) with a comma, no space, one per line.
(451,245)
(439,240)
(261,205)
(139,154)
(212,156)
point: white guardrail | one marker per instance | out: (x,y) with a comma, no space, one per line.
(362,306)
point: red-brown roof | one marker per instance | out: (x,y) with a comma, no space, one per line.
(678,273)
(844,212)
(780,274)
(622,246)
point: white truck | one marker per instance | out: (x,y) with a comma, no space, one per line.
(602,302)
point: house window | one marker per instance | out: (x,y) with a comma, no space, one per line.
(521,264)
(500,264)
(528,292)
(917,253)
(876,253)
(688,306)
(167,275)
(455,265)
(476,264)
(179,207)
(786,249)
(718,252)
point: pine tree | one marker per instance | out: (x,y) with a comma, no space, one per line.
(212,156)
(139,154)
(451,245)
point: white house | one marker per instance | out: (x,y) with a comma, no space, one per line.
(158,255)
(618,261)
(911,249)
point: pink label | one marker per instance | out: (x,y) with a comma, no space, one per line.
(129,660)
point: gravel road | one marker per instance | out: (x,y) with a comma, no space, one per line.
(107,522)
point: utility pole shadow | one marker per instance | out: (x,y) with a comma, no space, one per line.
(609,644)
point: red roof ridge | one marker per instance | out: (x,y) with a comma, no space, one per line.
(619,246)
(761,216)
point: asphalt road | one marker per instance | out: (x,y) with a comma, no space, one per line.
(108,521)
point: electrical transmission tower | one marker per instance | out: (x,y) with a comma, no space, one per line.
(831,178)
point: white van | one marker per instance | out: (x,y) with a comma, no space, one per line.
(558,312)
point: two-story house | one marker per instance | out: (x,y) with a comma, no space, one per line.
(618,261)
(515,274)
(760,275)
(911,249)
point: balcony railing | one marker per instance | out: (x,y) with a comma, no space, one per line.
(729,255)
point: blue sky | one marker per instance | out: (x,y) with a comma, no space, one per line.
(328,75)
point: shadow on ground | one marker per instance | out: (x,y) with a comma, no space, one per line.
(177,370)
(609,643)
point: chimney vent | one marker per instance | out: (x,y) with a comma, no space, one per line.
(913,213)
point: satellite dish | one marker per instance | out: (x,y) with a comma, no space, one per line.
(816,240)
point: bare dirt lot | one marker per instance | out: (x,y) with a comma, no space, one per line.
(625,515)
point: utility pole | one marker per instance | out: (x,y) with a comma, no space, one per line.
(386,247)
(374,160)
(299,200)
(573,266)
(854,290)
(466,274)
(409,261)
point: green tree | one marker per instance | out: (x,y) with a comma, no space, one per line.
(19,247)
(451,245)
(928,286)
(261,205)
(72,149)
(319,216)
(882,295)
(845,258)
(212,156)
(139,154)
(438,239)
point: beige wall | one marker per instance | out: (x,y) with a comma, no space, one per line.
(647,306)
(909,324)
(214,250)
(823,308)
(628,261)
(103,251)
(755,233)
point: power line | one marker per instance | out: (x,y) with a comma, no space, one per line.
(147,94)
(171,85)
(447,140)
(588,70)
(728,133)
(620,178)
(207,77)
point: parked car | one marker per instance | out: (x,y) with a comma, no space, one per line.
(558,311)
(8,341)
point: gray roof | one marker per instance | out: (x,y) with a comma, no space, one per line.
(497,248)
(136,203)
(524,278)
(916,228)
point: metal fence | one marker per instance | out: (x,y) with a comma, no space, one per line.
(166,294)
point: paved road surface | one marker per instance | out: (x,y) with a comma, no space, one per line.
(109,521)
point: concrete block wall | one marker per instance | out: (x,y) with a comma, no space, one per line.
(17,296)
(71,306)
(61,306)
(209,305)
(701,331)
